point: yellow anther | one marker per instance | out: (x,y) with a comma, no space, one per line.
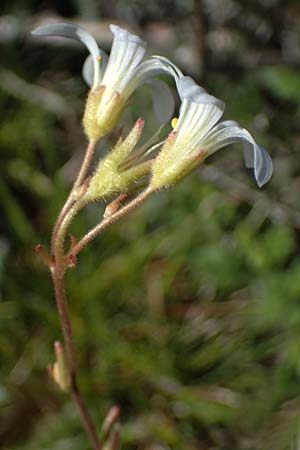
(99,57)
(174,121)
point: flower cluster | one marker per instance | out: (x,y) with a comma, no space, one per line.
(197,133)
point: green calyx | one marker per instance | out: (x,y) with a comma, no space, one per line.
(108,178)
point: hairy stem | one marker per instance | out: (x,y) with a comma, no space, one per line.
(65,217)
(62,306)
(109,220)
(79,180)
(70,209)
(62,231)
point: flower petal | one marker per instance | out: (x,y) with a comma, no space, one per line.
(126,54)
(151,67)
(256,157)
(68,30)
(188,89)
(199,111)
(89,68)
(163,100)
(156,65)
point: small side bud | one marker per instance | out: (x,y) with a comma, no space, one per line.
(59,370)
(113,206)
(46,258)
(71,260)
(109,421)
(122,150)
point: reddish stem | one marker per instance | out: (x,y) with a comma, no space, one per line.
(62,306)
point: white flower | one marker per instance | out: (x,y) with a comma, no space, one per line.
(114,79)
(198,134)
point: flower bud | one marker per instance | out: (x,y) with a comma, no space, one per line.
(59,370)
(110,178)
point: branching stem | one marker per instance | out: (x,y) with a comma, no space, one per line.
(64,219)
(106,222)
(78,182)
(60,264)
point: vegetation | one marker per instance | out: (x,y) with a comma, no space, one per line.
(186,314)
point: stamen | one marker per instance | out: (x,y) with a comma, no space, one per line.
(174,122)
(99,57)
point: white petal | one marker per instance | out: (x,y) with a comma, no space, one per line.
(188,89)
(156,65)
(75,32)
(89,67)
(256,157)
(126,53)
(163,100)
(124,35)
(151,67)
(197,118)
(68,30)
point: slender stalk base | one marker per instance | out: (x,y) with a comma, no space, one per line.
(59,262)
(62,306)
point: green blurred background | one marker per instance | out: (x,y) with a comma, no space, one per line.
(187,313)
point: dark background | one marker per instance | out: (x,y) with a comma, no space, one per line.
(186,313)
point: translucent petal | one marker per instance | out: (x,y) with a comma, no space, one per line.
(88,68)
(163,100)
(256,157)
(151,67)
(70,31)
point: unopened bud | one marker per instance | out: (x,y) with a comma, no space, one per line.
(59,370)
(109,421)
(109,177)
(113,206)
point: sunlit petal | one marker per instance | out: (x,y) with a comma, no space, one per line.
(126,54)
(256,157)
(199,111)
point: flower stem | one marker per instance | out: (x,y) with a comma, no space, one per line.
(65,217)
(62,306)
(79,180)
(60,263)
(110,220)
